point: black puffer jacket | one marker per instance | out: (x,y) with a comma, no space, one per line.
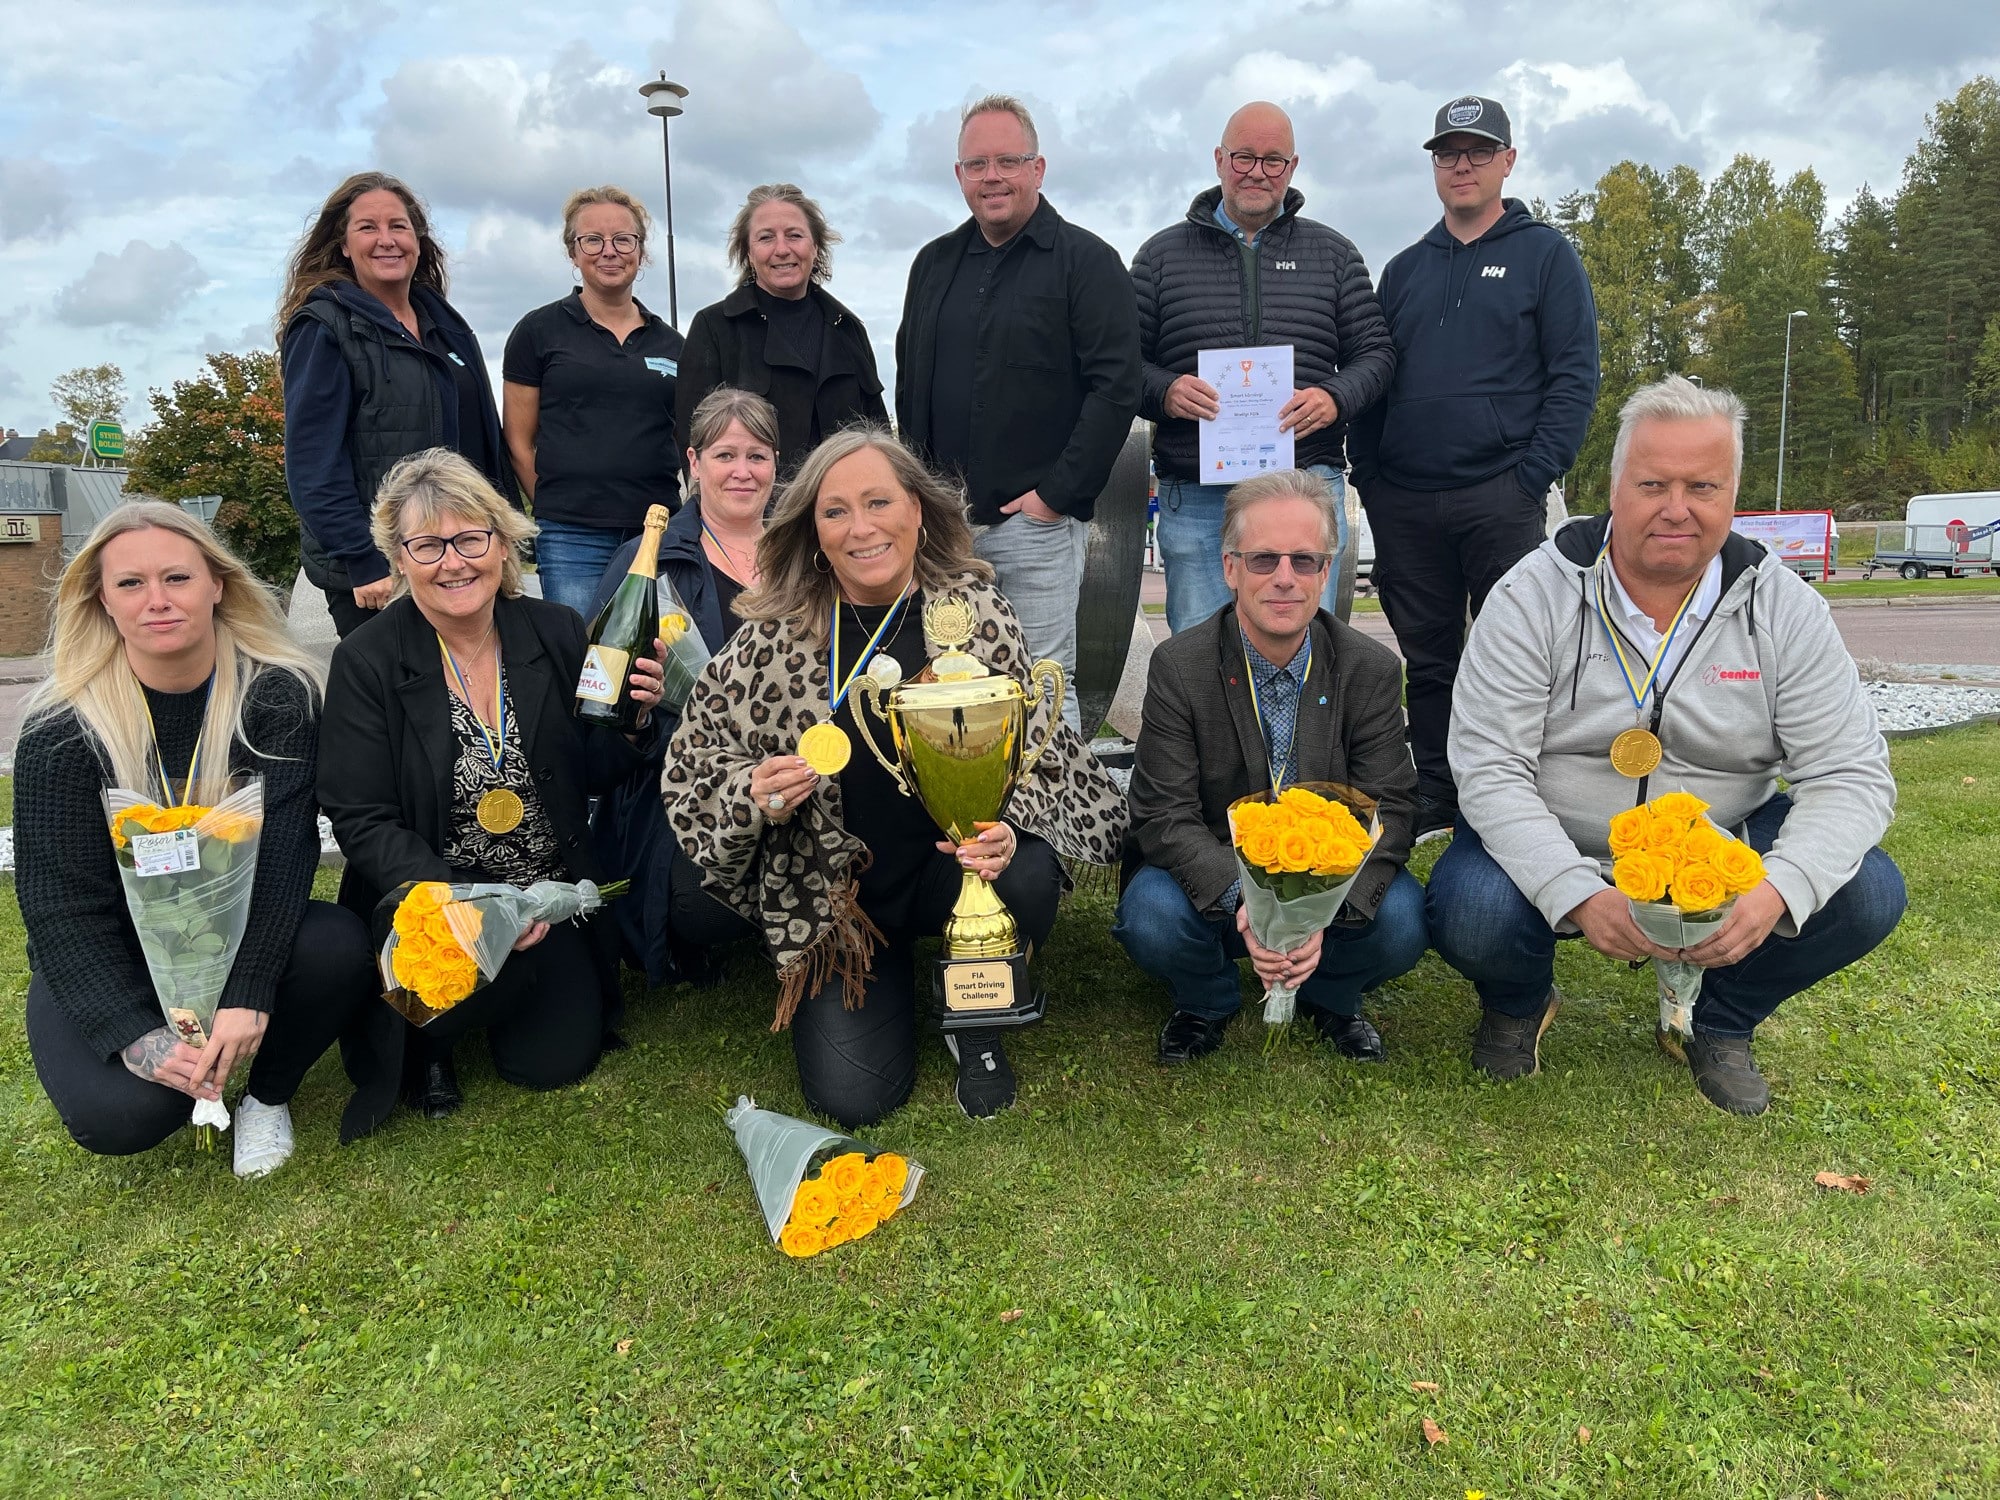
(1311,291)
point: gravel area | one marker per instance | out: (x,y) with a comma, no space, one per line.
(1916,708)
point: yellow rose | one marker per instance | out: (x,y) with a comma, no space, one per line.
(673,627)
(1698,888)
(1681,807)
(843,1174)
(1342,857)
(1628,829)
(1249,817)
(888,1203)
(813,1204)
(1663,833)
(1702,843)
(893,1171)
(839,1232)
(862,1221)
(1740,866)
(799,1241)
(1300,799)
(1261,848)
(1640,876)
(1295,850)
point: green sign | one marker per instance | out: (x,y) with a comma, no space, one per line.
(107,440)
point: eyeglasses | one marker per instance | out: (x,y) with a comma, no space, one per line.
(1479,156)
(1246,162)
(1305,564)
(593,244)
(470,545)
(1009,165)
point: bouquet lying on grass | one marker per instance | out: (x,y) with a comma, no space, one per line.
(444,941)
(1299,852)
(188,872)
(854,1190)
(1681,875)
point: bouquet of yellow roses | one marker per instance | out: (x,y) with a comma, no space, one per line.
(1681,875)
(687,654)
(855,1190)
(444,941)
(1299,852)
(188,872)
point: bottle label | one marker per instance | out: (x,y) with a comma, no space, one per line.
(603,674)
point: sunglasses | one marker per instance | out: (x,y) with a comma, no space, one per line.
(1305,564)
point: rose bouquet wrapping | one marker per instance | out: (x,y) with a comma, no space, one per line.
(443,941)
(687,653)
(188,873)
(817,1187)
(1681,875)
(1299,852)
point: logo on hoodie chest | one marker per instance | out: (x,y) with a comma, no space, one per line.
(1495,271)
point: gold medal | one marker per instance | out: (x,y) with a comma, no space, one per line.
(1635,753)
(500,811)
(826,748)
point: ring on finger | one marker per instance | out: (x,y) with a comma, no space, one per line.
(776,802)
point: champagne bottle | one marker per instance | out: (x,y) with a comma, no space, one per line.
(623,629)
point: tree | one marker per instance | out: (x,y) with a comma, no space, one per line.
(61,446)
(224,434)
(90,393)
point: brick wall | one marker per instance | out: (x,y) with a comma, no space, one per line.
(28,572)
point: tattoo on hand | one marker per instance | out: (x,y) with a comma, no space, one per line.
(145,1056)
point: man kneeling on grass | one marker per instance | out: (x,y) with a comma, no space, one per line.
(1269,691)
(1715,670)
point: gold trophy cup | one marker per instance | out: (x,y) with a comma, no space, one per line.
(960,737)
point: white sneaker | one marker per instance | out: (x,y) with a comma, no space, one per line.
(263,1137)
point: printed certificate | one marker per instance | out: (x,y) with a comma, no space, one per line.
(1252,387)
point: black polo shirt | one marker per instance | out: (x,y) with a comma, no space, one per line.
(958,351)
(605,448)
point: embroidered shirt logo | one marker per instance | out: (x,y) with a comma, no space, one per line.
(1713,675)
(1284,265)
(1492,270)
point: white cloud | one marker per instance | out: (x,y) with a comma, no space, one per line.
(34,199)
(143,285)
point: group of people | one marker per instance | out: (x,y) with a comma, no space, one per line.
(811,545)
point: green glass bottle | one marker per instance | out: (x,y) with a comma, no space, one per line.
(623,629)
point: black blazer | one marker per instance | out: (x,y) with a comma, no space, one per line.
(385,773)
(1200,748)
(1058,374)
(729,344)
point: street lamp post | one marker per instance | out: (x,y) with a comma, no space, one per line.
(1784,407)
(664,99)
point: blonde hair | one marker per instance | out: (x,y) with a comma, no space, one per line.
(1002,104)
(795,589)
(1280,484)
(824,239)
(583,198)
(91,676)
(431,483)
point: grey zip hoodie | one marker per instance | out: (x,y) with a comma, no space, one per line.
(1766,690)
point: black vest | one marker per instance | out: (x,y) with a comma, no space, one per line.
(397,411)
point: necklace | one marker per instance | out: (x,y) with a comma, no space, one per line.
(738,566)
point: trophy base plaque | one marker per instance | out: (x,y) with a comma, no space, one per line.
(971,993)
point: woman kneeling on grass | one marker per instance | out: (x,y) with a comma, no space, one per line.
(170,661)
(842,873)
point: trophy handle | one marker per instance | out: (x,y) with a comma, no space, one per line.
(867,690)
(1052,670)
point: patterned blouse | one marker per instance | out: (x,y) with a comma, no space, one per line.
(527,854)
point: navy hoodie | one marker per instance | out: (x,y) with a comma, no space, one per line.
(319,404)
(1496,361)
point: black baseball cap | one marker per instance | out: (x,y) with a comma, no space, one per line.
(1469,114)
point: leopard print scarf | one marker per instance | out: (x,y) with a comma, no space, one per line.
(797,881)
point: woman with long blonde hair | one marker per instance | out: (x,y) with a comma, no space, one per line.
(170,673)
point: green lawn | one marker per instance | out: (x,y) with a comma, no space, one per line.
(1224,1281)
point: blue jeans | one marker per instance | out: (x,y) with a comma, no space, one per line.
(1189,536)
(1195,956)
(1486,929)
(570,560)
(1038,565)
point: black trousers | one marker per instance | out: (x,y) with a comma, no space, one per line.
(860,1065)
(348,616)
(698,919)
(543,1014)
(1438,553)
(108,1110)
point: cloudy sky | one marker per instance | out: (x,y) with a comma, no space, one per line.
(158,161)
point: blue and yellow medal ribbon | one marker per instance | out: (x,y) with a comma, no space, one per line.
(194,760)
(1638,687)
(500,810)
(825,746)
(1279,764)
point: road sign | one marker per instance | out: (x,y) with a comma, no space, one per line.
(107,440)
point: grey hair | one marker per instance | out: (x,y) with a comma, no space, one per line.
(1282,484)
(1677,399)
(1002,104)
